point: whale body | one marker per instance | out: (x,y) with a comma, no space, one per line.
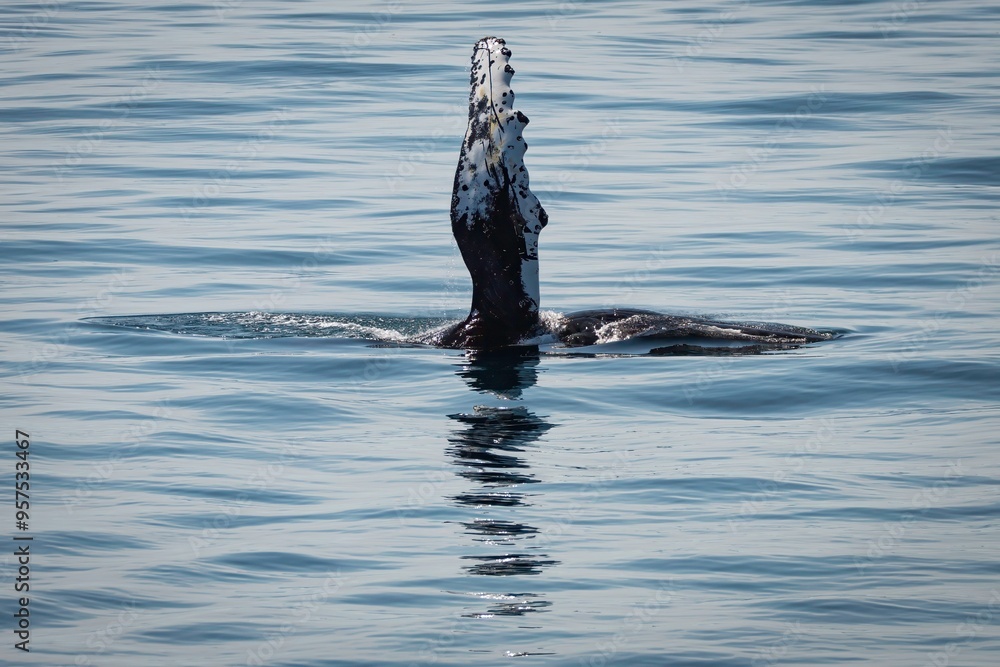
(495,217)
(496,221)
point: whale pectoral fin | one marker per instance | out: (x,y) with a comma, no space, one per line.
(495,217)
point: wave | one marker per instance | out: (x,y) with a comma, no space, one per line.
(643,334)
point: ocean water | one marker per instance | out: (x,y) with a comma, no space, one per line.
(266,476)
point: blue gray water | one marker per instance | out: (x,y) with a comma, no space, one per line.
(267,486)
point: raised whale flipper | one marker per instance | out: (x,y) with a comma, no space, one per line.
(494,215)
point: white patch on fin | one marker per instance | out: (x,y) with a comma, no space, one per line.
(493,155)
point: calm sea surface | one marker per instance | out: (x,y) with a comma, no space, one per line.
(256,474)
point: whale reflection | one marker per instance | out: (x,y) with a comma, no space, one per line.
(490,450)
(504,373)
(487,451)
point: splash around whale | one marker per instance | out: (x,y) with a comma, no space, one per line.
(496,221)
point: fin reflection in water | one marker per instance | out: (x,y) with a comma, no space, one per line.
(489,451)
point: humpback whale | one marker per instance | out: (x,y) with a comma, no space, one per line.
(495,217)
(496,221)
